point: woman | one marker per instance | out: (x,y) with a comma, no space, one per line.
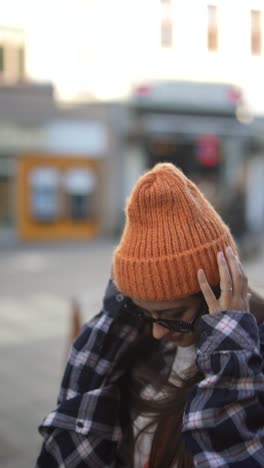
(170,372)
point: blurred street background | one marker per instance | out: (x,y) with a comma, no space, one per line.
(93,93)
(37,285)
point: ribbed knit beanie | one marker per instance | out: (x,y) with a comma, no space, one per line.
(171,231)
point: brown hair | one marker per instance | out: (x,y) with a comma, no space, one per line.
(166,413)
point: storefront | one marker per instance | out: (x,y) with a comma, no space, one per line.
(57,197)
(52,178)
(198,127)
(5,190)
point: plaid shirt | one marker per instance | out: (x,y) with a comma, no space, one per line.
(224,416)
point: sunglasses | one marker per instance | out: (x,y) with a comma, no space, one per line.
(179,326)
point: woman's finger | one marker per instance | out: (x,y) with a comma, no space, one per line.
(226,285)
(236,273)
(209,296)
(244,278)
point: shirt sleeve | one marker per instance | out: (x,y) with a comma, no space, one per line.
(71,450)
(84,430)
(224,416)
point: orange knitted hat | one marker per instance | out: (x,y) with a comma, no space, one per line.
(171,231)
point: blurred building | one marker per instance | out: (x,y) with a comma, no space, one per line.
(98,50)
(198,127)
(145,81)
(60,167)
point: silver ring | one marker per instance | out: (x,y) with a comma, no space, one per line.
(228,289)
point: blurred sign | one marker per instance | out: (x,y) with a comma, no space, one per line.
(70,137)
(208,150)
(164,124)
(77,137)
(185,95)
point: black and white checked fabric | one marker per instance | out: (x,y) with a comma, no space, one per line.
(84,430)
(224,416)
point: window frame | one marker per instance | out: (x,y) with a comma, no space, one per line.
(2,58)
(256,32)
(166,42)
(212,27)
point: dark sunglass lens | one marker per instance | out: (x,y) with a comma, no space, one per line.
(180,327)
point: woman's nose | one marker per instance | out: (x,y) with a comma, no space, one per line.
(158,331)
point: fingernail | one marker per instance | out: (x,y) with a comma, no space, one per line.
(201,272)
(221,256)
(229,250)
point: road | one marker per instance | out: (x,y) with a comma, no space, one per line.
(36,287)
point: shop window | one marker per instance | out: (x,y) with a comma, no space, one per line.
(180,153)
(12,62)
(44,200)
(2,59)
(208,152)
(166,33)
(80,186)
(21,63)
(256,38)
(212,32)
(4,201)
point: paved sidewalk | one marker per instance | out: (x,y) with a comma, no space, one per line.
(36,286)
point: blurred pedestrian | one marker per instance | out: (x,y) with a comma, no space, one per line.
(170,372)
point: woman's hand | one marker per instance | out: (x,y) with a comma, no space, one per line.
(233,285)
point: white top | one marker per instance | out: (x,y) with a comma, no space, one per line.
(184,359)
